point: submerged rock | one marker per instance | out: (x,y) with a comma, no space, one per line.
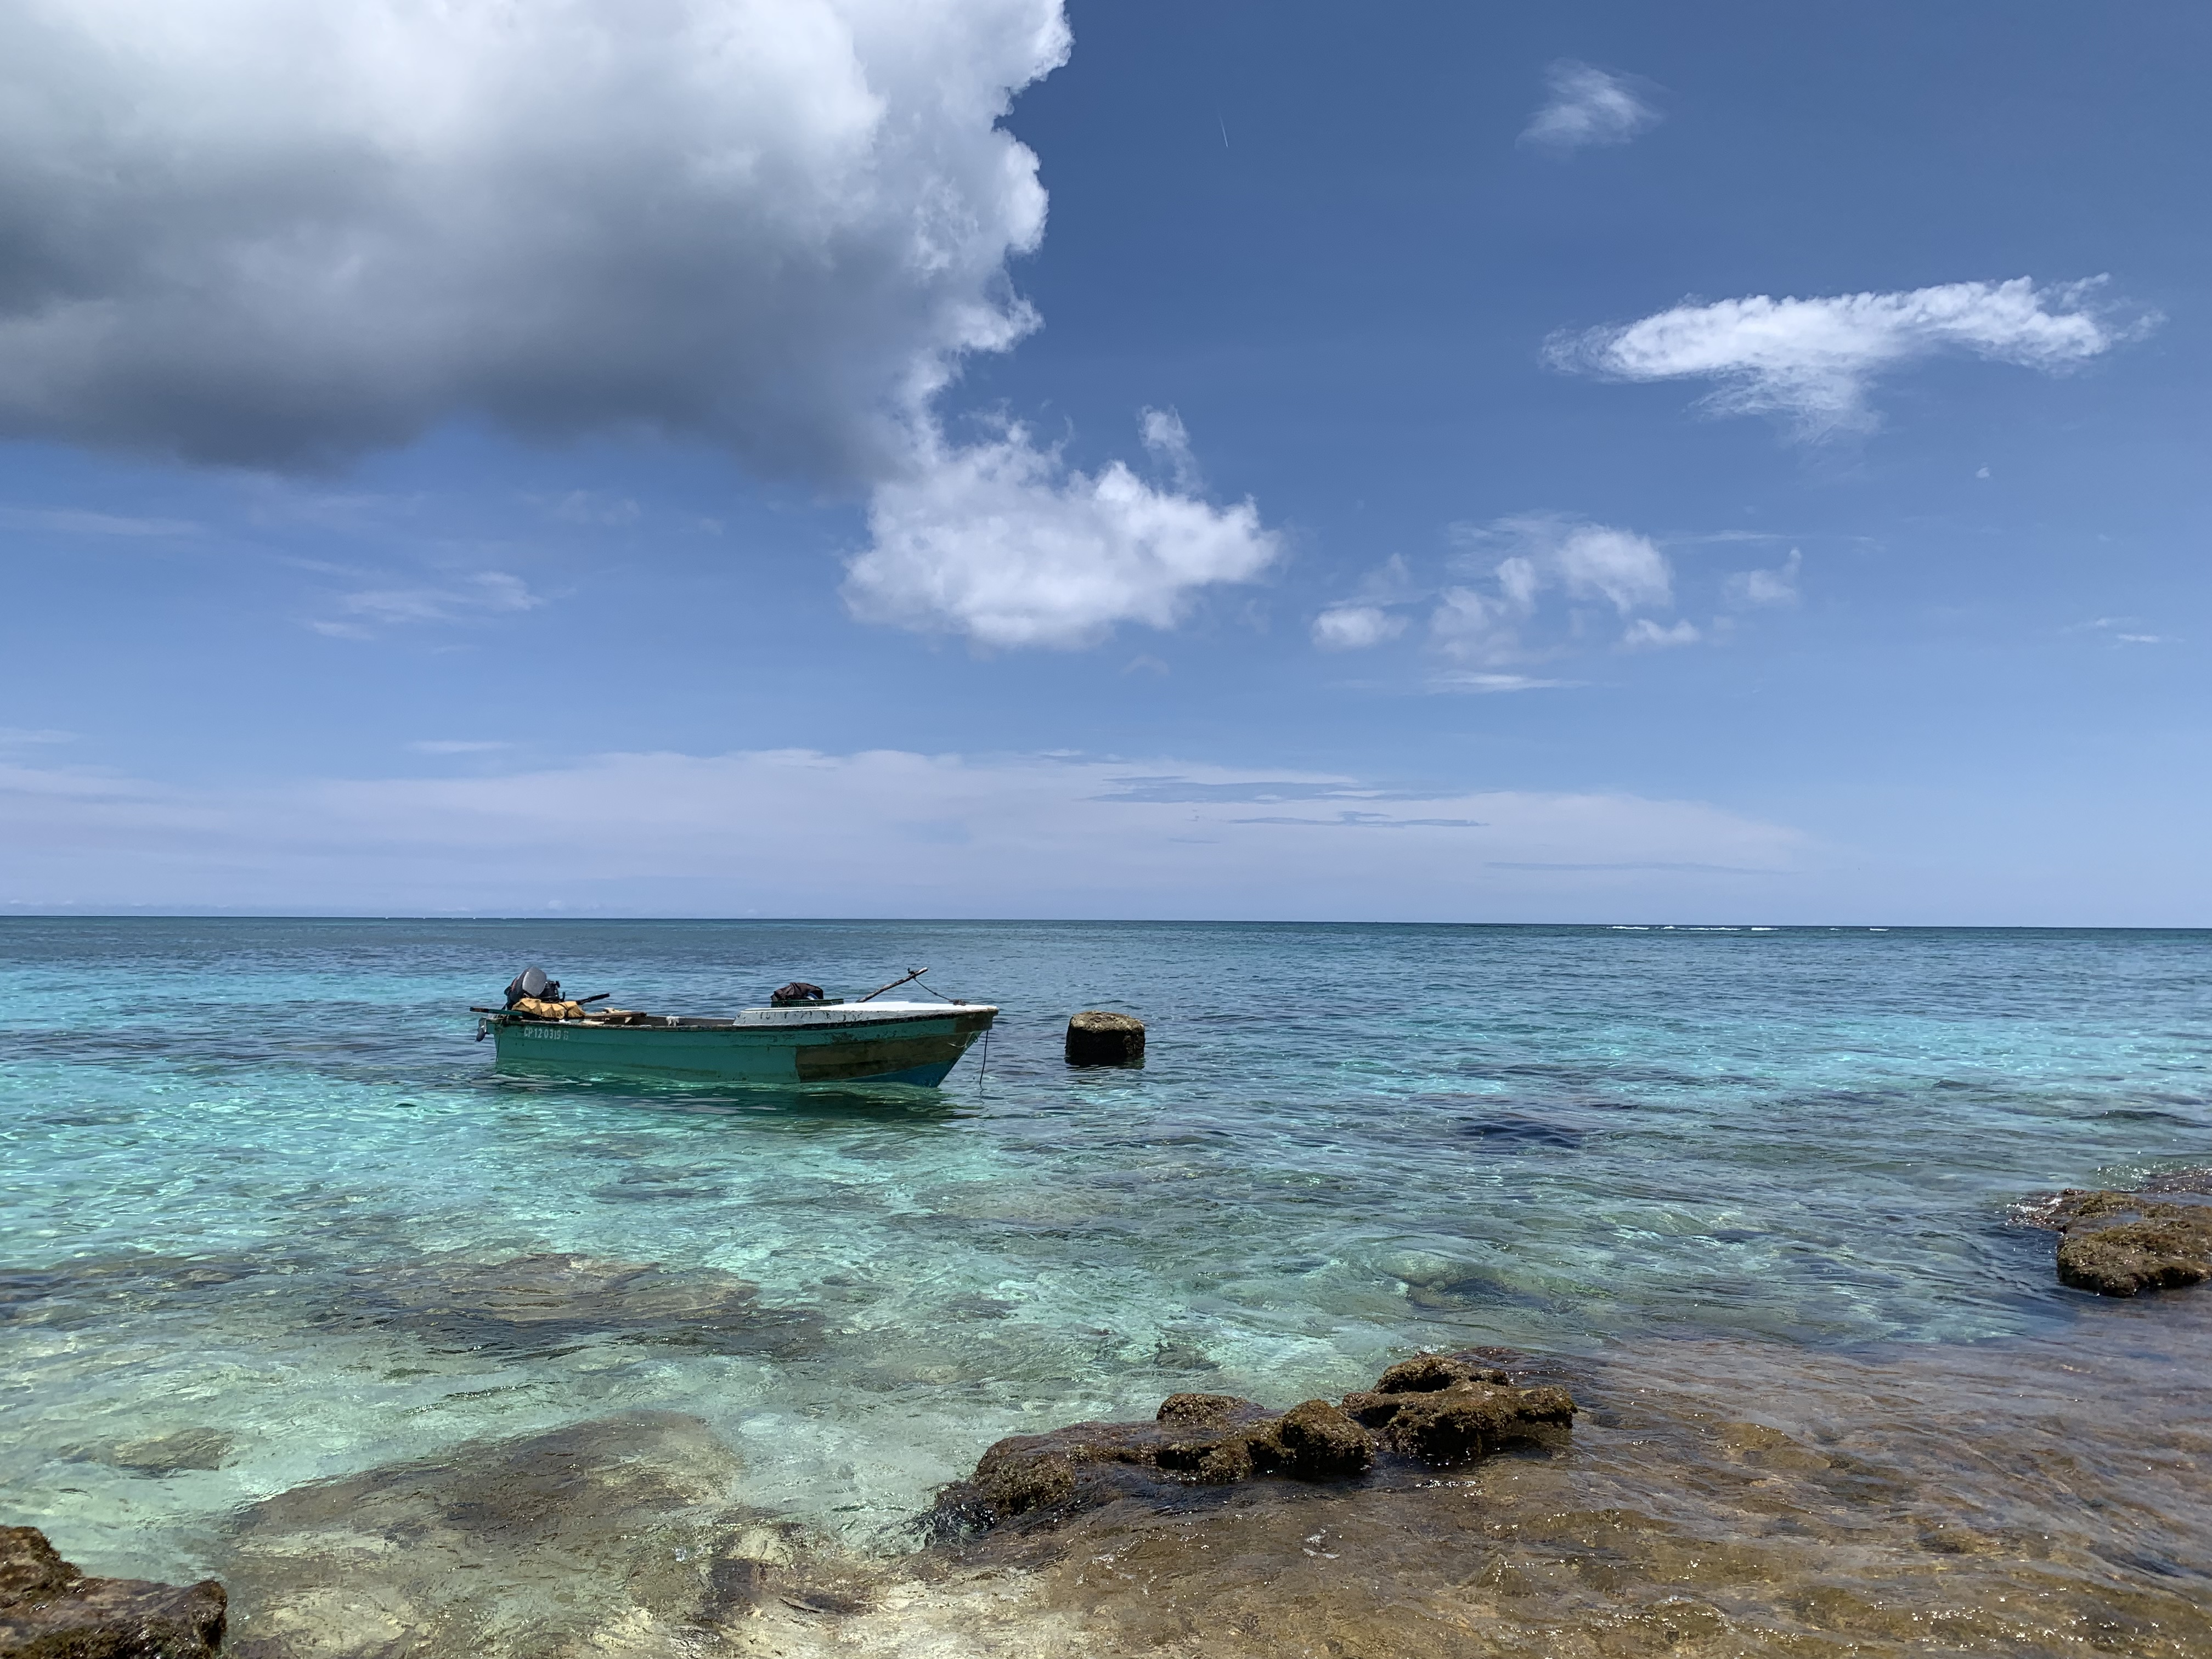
(1438,1409)
(553,1300)
(88,1292)
(51,1610)
(167,1454)
(2125,1243)
(542,1545)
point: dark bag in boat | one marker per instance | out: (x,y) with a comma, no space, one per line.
(797,991)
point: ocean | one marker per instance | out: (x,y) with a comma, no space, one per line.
(269,1216)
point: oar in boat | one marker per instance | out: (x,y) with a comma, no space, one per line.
(893,985)
(579,1001)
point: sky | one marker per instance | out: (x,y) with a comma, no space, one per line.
(1592,462)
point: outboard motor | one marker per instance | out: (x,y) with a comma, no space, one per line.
(797,992)
(533,983)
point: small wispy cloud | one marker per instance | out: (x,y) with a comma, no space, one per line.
(1533,589)
(2125,630)
(274,500)
(1371,821)
(1169,440)
(1494,623)
(72,521)
(490,592)
(1812,362)
(13,736)
(1749,590)
(1701,869)
(1588,106)
(1375,613)
(457,746)
(1356,627)
(1645,635)
(1484,685)
(1174,789)
(591,506)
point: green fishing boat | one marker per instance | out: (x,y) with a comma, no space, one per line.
(798,1039)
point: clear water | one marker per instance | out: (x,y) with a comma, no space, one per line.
(257,1172)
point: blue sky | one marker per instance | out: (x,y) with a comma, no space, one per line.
(1401,463)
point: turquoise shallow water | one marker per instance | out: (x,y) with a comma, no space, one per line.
(263,1195)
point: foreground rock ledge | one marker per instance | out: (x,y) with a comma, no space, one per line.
(51,1610)
(2126,1243)
(1429,1412)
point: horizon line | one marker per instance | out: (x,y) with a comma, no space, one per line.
(11,914)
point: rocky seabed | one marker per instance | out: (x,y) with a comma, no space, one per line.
(1704,1498)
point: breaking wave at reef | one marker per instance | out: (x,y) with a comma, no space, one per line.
(418,1359)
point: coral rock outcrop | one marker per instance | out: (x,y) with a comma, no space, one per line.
(2126,1243)
(1436,1409)
(49,1609)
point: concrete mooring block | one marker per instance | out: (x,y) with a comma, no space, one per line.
(1098,1038)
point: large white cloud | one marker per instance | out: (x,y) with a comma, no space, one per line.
(882,833)
(280,234)
(1813,361)
(1001,541)
(272,233)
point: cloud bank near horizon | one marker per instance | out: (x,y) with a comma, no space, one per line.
(797,832)
(1814,362)
(246,232)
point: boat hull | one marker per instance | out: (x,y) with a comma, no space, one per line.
(918,1048)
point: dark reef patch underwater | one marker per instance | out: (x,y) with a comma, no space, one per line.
(418,1360)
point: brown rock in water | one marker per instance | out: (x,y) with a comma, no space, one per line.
(51,1610)
(1320,1442)
(2123,1244)
(1079,1466)
(1016,1476)
(1472,1419)
(1444,1410)
(1373,1409)
(1221,1462)
(31,1569)
(2137,1256)
(1098,1038)
(1209,1410)
(1224,1437)
(1427,1372)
